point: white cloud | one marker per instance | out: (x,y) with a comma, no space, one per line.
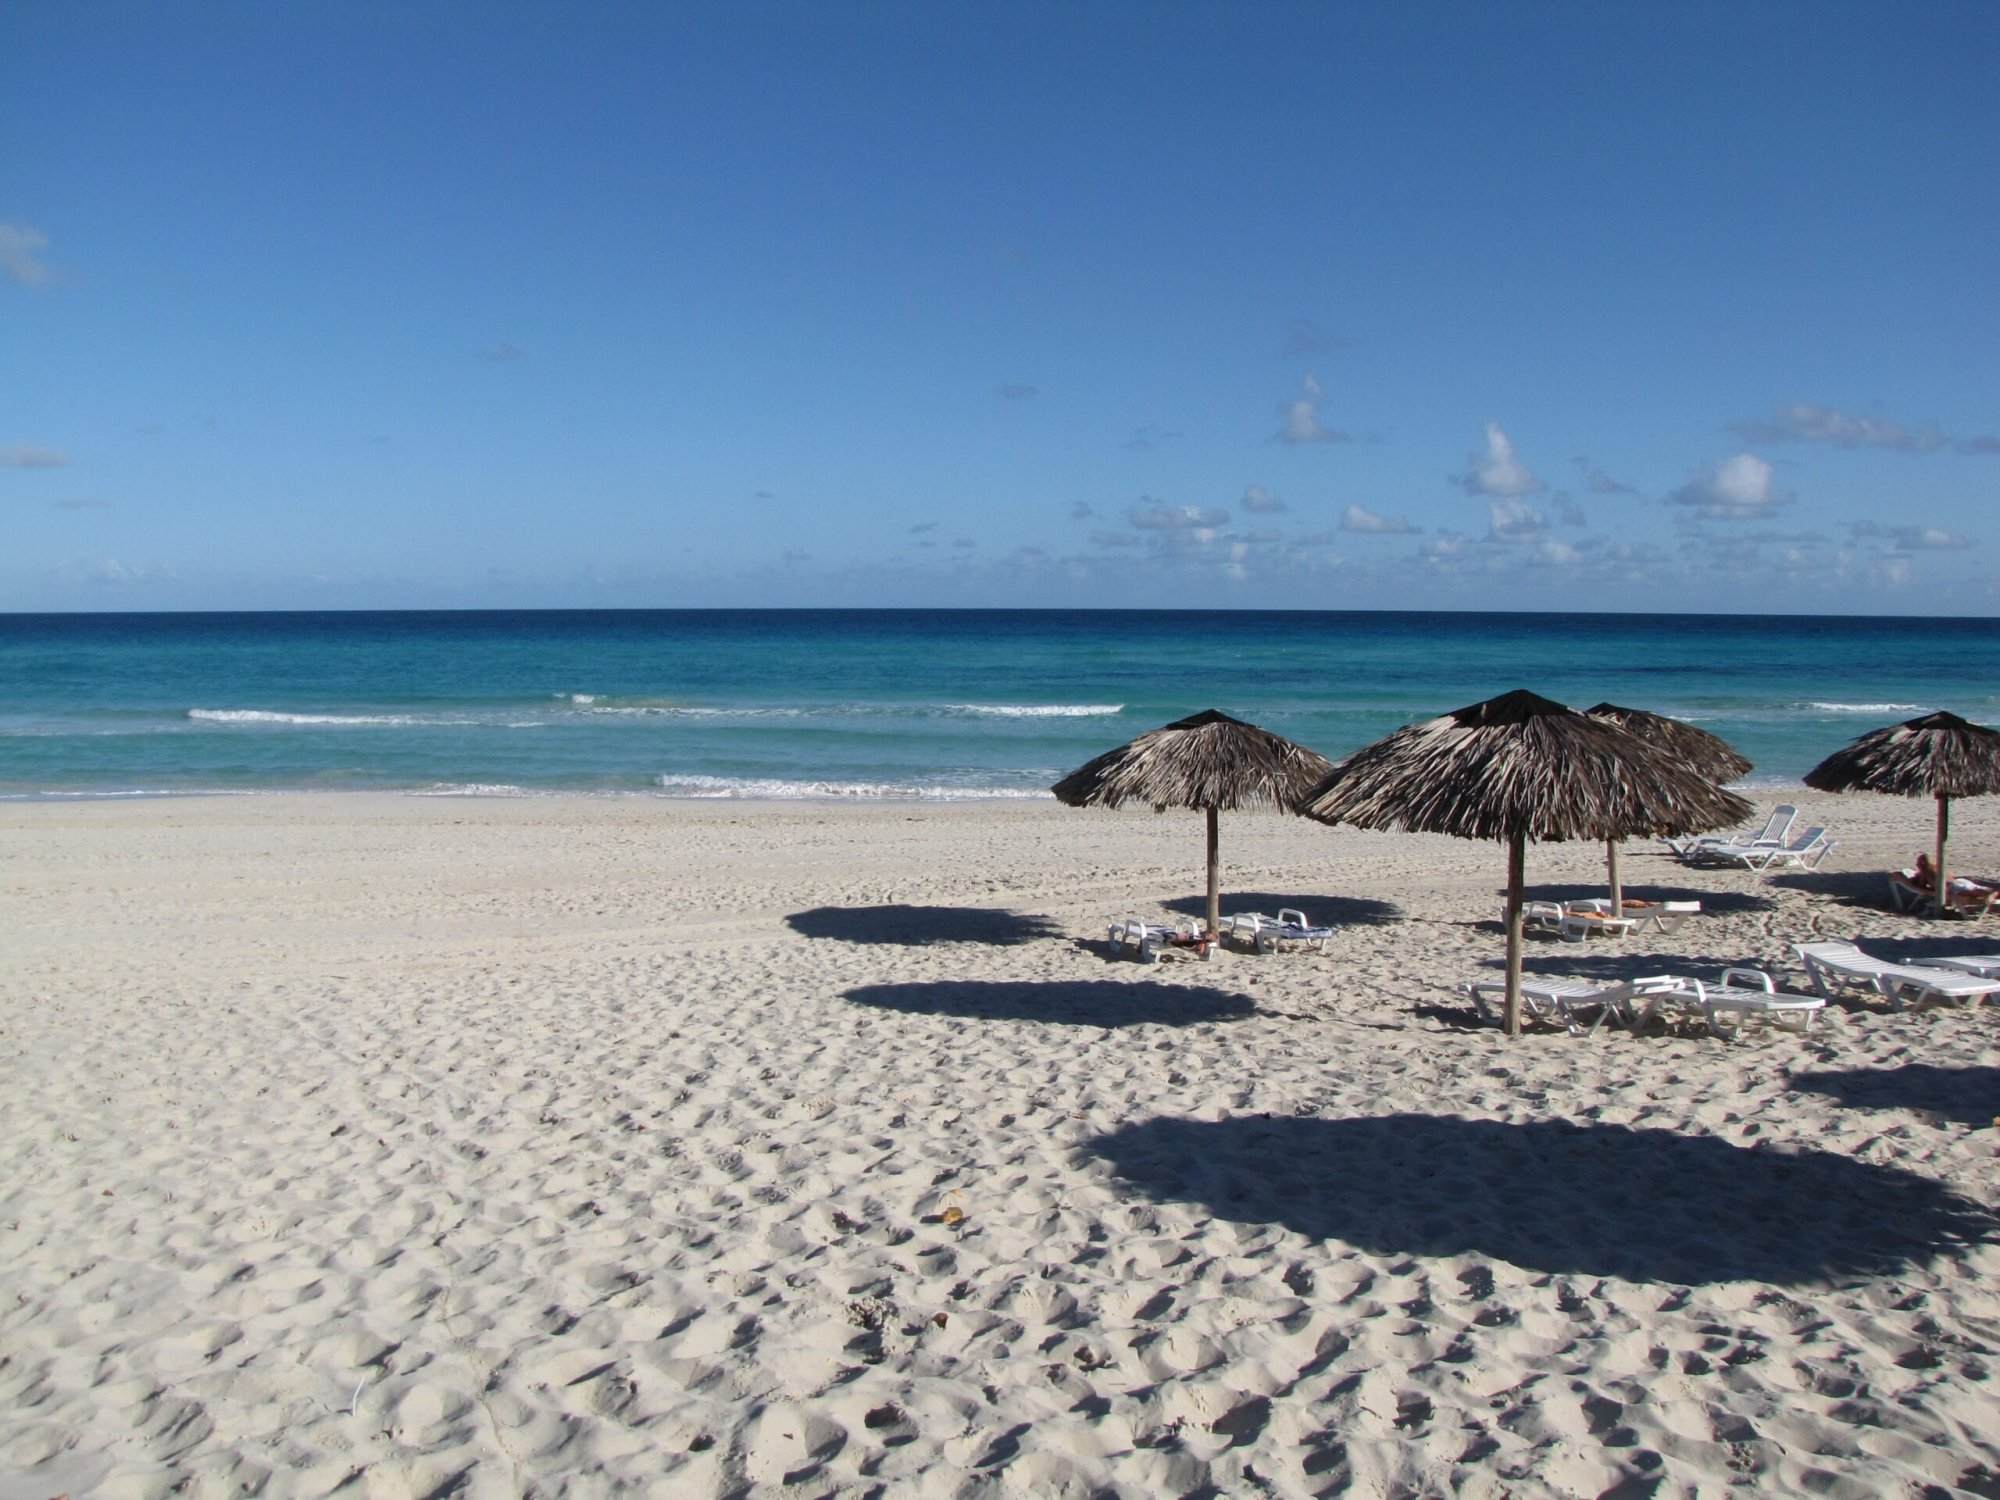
(1597,482)
(1737,489)
(1804,422)
(31,458)
(1498,472)
(1360,519)
(1445,545)
(1148,517)
(20,251)
(1927,539)
(1260,501)
(110,572)
(1561,554)
(1515,520)
(1302,422)
(1914,538)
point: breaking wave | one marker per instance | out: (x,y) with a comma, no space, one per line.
(773,789)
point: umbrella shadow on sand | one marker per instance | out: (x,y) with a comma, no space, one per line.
(921,926)
(1963,1096)
(1866,888)
(1553,1196)
(1713,903)
(1091,1002)
(1329,911)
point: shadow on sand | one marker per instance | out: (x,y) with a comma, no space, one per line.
(1866,888)
(1328,911)
(1964,1096)
(1552,1196)
(1713,903)
(1093,1002)
(921,926)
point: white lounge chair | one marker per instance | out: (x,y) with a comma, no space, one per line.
(1741,995)
(1148,938)
(1838,966)
(1288,926)
(1985,965)
(1565,1002)
(1637,916)
(1969,898)
(1904,892)
(1572,921)
(1776,827)
(1804,852)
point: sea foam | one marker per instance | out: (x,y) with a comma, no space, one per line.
(774,789)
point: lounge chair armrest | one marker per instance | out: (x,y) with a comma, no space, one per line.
(1749,979)
(1293,916)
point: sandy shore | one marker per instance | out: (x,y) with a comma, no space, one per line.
(391,1146)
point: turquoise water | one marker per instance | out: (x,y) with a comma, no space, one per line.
(797,703)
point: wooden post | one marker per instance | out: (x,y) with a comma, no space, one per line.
(1942,902)
(1214,877)
(1617,887)
(1516,860)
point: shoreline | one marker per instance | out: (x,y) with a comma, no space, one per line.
(890,797)
(574,1142)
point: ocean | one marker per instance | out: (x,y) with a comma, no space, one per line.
(929,704)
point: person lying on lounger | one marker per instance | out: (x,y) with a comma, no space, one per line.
(1965,891)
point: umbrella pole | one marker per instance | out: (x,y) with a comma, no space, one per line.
(1214,877)
(1516,859)
(1943,831)
(1617,887)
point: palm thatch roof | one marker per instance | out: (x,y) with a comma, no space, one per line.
(1938,755)
(1208,760)
(1521,765)
(1709,754)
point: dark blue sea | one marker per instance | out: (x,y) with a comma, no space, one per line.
(890,703)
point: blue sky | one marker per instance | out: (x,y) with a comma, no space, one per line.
(1305,306)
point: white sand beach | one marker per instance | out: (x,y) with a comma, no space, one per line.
(401,1146)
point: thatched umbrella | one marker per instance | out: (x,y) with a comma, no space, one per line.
(1939,755)
(1210,762)
(1520,767)
(1710,754)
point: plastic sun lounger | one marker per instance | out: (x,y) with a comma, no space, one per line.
(1981,965)
(1266,933)
(1834,967)
(1565,1002)
(1776,827)
(1572,921)
(1148,938)
(1969,898)
(1659,916)
(1726,1007)
(1804,852)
